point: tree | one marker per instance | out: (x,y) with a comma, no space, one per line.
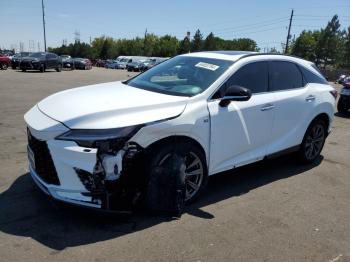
(197,42)
(151,44)
(346,49)
(305,45)
(327,45)
(210,43)
(168,46)
(185,46)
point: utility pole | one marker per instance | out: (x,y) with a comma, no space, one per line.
(42,7)
(288,35)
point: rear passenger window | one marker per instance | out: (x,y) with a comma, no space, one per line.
(284,75)
(310,77)
(253,76)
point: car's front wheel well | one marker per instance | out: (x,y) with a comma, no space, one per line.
(175,140)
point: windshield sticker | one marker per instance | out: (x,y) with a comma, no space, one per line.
(210,67)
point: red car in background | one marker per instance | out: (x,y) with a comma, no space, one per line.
(5,62)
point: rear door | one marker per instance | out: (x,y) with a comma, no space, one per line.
(292,103)
(241,131)
(51,60)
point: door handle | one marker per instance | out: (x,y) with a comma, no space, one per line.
(310,98)
(267,107)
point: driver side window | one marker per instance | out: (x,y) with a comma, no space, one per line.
(253,76)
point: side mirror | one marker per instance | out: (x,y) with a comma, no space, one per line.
(235,93)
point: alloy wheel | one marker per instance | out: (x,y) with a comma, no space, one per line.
(314,141)
(193,173)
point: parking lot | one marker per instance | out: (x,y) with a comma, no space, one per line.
(275,210)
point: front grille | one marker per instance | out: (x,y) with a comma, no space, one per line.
(44,165)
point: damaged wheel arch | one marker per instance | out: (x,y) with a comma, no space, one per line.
(177,172)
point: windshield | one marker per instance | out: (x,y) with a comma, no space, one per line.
(37,55)
(182,75)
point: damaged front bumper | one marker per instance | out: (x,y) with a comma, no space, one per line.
(83,176)
(70,196)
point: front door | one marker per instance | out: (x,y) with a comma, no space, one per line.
(241,131)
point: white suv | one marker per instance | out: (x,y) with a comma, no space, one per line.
(158,136)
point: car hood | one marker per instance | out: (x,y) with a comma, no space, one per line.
(110,105)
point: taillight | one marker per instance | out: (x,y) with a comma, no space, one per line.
(334,93)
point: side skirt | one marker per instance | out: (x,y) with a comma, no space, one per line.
(283,152)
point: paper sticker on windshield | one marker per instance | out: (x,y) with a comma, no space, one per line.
(207,66)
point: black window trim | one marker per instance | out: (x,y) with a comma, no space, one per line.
(305,82)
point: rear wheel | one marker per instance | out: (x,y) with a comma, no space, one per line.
(341,106)
(59,68)
(3,66)
(313,141)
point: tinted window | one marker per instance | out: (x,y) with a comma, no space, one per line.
(253,76)
(284,75)
(51,56)
(310,77)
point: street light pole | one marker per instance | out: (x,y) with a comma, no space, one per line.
(42,7)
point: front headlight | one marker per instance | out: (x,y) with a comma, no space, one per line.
(104,139)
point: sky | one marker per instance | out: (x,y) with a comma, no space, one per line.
(265,21)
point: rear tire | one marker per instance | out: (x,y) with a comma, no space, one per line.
(313,141)
(59,68)
(3,66)
(342,108)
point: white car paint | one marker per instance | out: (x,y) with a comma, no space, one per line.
(110,105)
(231,136)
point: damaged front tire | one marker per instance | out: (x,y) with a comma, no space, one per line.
(177,175)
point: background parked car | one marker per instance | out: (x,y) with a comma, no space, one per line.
(107,62)
(8,53)
(100,63)
(122,63)
(344,99)
(82,63)
(5,62)
(134,65)
(112,64)
(41,61)
(16,59)
(151,63)
(67,62)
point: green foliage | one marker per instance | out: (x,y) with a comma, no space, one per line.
(152,45)
(305,45)
(197,42)
(326,47)
(185,46)
(346,49)
(210,43)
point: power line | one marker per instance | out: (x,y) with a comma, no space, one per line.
(254,25)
